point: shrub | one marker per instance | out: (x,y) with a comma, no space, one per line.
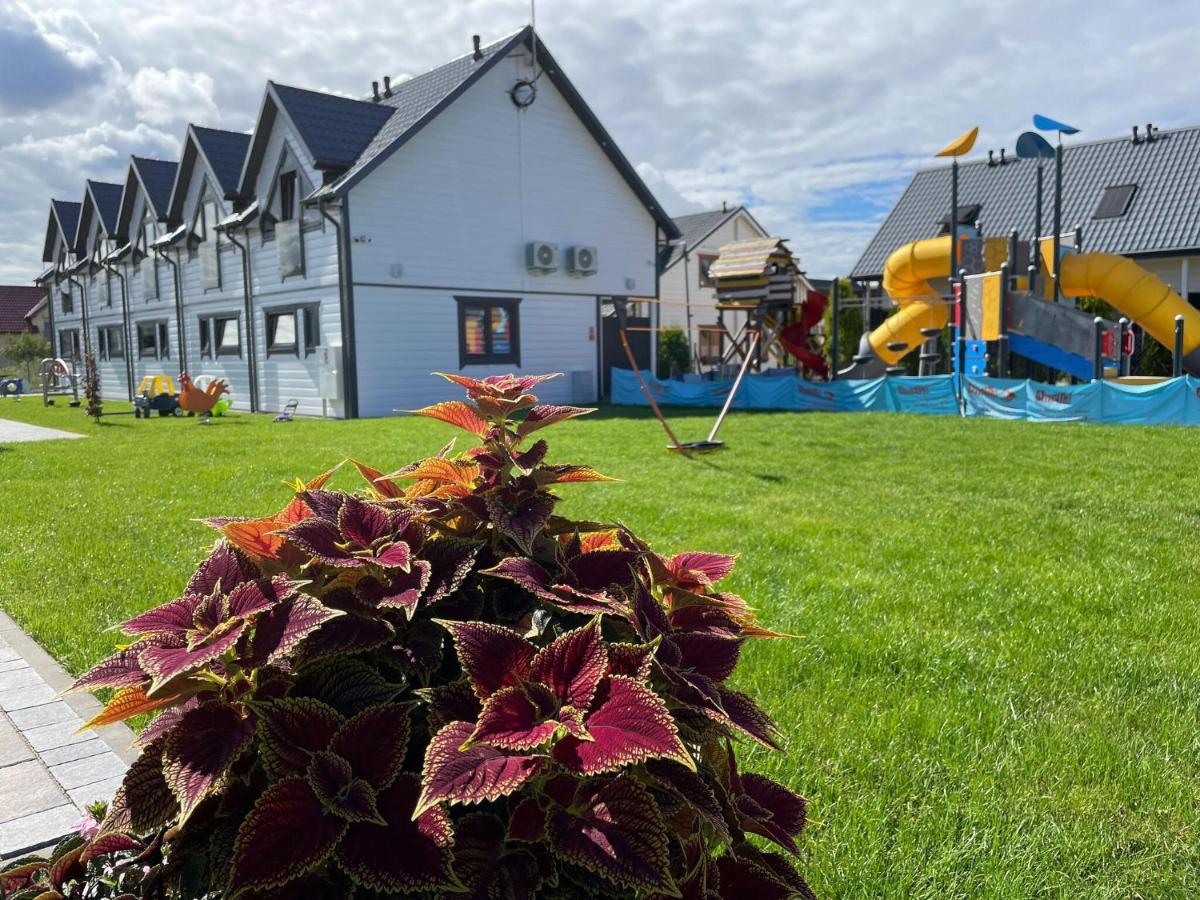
(441,687)
(674,357)
(94,405)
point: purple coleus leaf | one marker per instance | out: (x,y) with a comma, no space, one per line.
(222,571)
(291,730)
(122,669)
(699,570)
(279,631)
(613,829)
(489,868)
(373,743)
(450,561)
(285,836)
(399,589)
(572,665)
(519,516)
(333,783)
(177,617)
(743,714)
(166,663)
(711,656)
(542,416)
(200,750)
(628,724)
(492,656)
(252,597)
(769,809)
(362,533)
(454,775)
(517,718)
(409,853)
(535,579)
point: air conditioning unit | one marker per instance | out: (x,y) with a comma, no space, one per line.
(541,257)
(581,260)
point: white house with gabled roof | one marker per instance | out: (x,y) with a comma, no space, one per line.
(471,219)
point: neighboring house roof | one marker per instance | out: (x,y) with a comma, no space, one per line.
(155,177)
(15,302)
(222,152)
(37,308)
(101,199)
(1162,217)
(335,130)
(695,228)
(63,221)
(418,101)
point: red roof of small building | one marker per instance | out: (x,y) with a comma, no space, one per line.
(15,301)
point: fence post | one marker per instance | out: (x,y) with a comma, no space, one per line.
(834,355)
(1123,360)
(1097,349)
(1002,338)
(1177,356)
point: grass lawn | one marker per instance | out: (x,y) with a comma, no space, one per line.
(995,691)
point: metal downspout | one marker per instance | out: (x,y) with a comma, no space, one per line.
(110,268)
(178,286)
(349,375)
(248,293)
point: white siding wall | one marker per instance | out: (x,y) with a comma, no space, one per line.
(455,207)
(703,299)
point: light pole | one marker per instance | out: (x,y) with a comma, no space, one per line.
(1042,123)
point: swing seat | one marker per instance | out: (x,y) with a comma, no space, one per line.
(696,446)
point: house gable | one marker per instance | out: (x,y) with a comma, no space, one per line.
(60,229)
(209,156)
(97,215)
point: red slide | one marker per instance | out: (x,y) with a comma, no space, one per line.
(794,338)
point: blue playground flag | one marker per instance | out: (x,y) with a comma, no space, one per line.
(1045,123)
(1031,145)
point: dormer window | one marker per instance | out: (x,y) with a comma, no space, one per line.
(287,196)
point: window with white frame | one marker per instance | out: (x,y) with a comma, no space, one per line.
(293,330)
(68,343)
(110,342)
(220,335)
(153,340)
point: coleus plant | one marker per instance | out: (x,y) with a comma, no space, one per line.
(439,686)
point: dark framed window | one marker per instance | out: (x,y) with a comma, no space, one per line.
(287,196)
(153,340)
(488,331)
(1114,202)
(68,302)
(704,262)
(710,344)
(967,214)
(68,343)
(220,336)
(110,342)
(292,328)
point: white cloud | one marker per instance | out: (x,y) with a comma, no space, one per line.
(161,97)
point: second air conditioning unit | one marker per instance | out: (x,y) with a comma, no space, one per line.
(541,257)
(581,260)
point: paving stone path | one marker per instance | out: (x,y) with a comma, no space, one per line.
(12,432)
(49,771)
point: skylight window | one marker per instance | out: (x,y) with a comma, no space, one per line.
(1115,201)
(967,215)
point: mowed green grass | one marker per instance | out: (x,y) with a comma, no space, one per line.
(995,688)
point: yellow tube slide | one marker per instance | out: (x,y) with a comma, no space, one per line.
(906,280)
(1141,295)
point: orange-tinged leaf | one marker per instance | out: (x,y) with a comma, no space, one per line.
(598,540)
(442,470)
(126,703)
(381,485)
(457,413)
(255,537)
(569,475)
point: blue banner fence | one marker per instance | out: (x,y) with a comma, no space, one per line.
(1172,402)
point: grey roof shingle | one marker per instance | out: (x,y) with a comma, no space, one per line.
(411,100)
(695,227)
(108,203)
(335,129)
(226,151)
(159,177)
(68,217)
(1164,215)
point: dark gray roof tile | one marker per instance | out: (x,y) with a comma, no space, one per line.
(225,150)
(335,129)
(158,176)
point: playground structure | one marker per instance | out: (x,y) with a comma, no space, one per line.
(1005,297)
(59,379)
(156,394)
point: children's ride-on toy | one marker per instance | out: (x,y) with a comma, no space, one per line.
(156,394)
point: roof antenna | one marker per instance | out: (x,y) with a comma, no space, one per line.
(533,32)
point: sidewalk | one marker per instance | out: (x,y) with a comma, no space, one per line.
(48,771)
(13,432)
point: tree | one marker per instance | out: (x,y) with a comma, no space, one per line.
(91,388)
(26,350)
(674,355)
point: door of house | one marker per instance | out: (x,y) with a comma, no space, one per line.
(613,354)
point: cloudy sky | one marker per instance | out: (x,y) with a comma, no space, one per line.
(812,113)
